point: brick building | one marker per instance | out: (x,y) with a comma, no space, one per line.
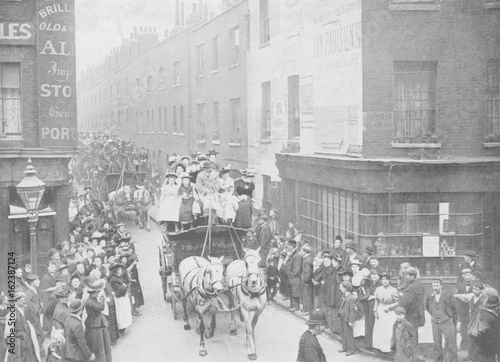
(384,118)
(38,121)
(184,93)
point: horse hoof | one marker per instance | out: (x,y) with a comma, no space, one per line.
(209,335)
(233,332)
(203,353)
(187,328)
(252,357)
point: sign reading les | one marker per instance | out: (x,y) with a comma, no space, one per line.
(17,33)
(57,76)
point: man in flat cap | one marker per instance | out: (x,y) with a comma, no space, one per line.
(471,263)
(413,298)
(265,237)
(464,287)
(443,308)
(26,346)
(76,348)
(309,348)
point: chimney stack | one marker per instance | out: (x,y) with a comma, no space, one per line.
(182,14)
(177,13)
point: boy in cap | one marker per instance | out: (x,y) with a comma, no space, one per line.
(470,263)
(347,315)
(309,348)
(404,337)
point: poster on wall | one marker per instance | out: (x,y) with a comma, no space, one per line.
(430,245)
(57,73)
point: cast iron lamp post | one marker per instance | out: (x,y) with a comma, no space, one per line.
(31,190)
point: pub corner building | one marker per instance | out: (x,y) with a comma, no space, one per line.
(38,121)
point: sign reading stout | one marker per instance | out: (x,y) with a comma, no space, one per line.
(57,73)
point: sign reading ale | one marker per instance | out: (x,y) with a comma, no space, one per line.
(57,73)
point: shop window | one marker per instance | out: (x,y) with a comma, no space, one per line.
(265,122)
(293,107)
(10,99)
(493,101)
(414,101)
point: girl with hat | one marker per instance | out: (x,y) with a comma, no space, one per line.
(228,201)
(117,280)
(96,324)
(186,195)
(168,211)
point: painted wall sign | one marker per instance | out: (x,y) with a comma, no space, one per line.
(17,33)
(57,76)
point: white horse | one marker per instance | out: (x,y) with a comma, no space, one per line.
(247,284)
(118,201)
(201,281)
(142,201)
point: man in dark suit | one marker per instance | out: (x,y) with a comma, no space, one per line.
(443,308)
(34,305)
(464,287)
(293,270)
(347,315)
(306,280)
(413,299)
(309,348)
(76,348)
(265,238)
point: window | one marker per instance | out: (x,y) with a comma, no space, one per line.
(199,59)
(147,122)
(104,94)
(111,91)
(177,73)
(158,129)
(165,120)
(215,56)
(150,84)
(126,118)
(265,35)
(119,89)
(201,116)
(161,78)
(119,119)
(10,98)
(152,129)
(493,100)
(234,43)
(235,107)
(216,134)
(126,85)
(293,107)
(181,120)
(414,100)
(174,115)
(138,90)
(265,121)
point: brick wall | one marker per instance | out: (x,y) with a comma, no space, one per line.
(461,36)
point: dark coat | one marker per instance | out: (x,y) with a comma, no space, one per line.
(118,285)
(413,303)
(76,347)
(347,310)
(323,274)
(309,349)
(61,313)
(404,342)
(488,339)
(307,270)
(33,311)
(265,237)
(293,270)
(333,294)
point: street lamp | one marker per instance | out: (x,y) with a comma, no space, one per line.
(31,190)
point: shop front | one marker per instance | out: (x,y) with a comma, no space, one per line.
(424,213)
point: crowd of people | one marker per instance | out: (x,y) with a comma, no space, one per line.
(85,300)
(369,308)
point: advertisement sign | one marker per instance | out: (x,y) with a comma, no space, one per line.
(57,73)
(430,245)
(17,33)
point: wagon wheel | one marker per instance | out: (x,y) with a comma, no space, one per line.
(173,296)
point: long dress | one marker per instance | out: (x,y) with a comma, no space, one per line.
(243,217)
(111,317)
(169,203)
(382,330)
(122,302)
(186,205)
(229,202)
(96,328)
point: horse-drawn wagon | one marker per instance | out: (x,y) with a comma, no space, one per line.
(202,265)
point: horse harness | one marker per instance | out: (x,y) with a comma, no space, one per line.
(253,294)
